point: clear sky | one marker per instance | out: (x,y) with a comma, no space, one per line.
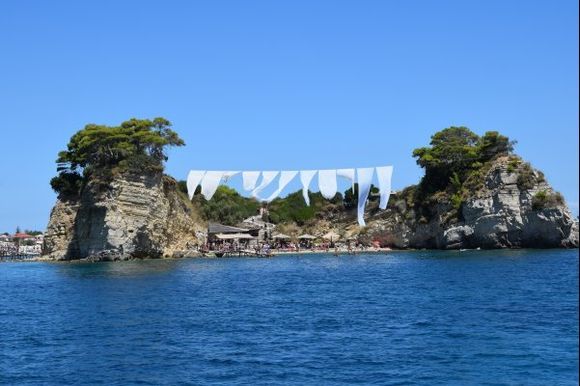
(285,84)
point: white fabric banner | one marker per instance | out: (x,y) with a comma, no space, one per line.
(348,174)
(210,183)
(365,179)
(193,179)
(285,178)
(306,177)
(267,178)
(327,183)
(250,179)
(228,175)
(384,174)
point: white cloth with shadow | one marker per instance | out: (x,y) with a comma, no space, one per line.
(193,179)
(365,180)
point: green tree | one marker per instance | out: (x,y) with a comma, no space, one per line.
(493,144)
(452,150)
(455,153)
(136,144)
(226,206)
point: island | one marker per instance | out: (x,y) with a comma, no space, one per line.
(116,203)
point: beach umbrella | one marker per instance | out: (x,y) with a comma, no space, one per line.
(307,237)
(332,236)
(281,236)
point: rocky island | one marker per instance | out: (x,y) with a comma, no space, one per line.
(115,203)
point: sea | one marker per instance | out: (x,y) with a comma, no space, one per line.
(506,317)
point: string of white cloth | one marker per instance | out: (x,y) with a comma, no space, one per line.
(327,183)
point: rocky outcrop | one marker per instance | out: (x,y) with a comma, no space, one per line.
(146,216)
(501,214)
(134,216)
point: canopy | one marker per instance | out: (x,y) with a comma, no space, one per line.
(219,228)
(331,236)
(281,236)
(307,237)
(231,236)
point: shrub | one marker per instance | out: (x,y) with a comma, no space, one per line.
(226,206)
(67,184)
(526,177)
(545,200)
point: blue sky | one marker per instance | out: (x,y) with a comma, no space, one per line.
(285,84)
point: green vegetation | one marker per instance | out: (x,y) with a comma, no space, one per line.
(545,200)
(457,151)
(99,151)
(226,206)
(292,208)
(527,179)
(455,164)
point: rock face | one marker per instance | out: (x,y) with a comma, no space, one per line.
(146,216)
(131,217)
(500,215)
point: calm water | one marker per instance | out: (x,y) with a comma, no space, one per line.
(507,317)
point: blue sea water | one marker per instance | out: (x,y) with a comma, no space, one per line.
(403,318)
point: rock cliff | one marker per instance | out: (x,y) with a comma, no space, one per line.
(134,216)
(137,216)
(514,207)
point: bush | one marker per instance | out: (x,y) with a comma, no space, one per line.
(226,206)
(67,184)
(526,177)
(545,200)
(292,208)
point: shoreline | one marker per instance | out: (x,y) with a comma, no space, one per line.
(212,255)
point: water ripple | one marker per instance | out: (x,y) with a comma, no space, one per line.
(406,318)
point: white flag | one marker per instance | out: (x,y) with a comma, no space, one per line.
(327,183)
(193,179)
(384,174)
(250,179)
(365,179)
(267,178)
(210,183)
(285,178)
(306,177)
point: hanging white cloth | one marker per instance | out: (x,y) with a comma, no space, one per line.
(193,179)
(306,177)
(348,174)
(228,175)
(210,183)
(250,179)
(267,178)
(365,179)
(384,174)
(285,178)
(327,183)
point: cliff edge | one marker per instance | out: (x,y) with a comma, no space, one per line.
(511,206)
(133,216)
